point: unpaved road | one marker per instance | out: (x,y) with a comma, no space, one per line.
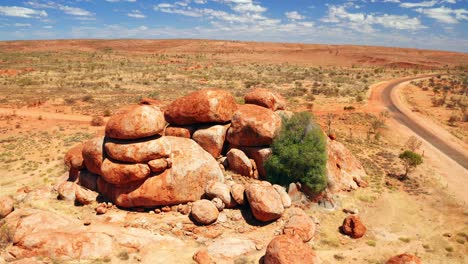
(429,131)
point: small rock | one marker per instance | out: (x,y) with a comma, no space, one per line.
(239,162)
(101,209)
(204,212)
(220,190)
(351,210)
(238,193)
(284,195)
(218,203)
(404,259)
(158,165)
(85,196)
(166,209)
(353,227)
(264,201)
(66,191)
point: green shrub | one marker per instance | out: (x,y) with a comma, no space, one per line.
(299,154)
(410,160)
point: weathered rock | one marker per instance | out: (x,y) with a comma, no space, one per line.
(211,138)
(220,190)
(88,180)
(253,125)
(238,193)
(265,98)
(101,209)
(74,157)
(230,248)
(287,249)
(158,165)
(285,199)
(192,169)
(140,151)
(285,114)
(404,259)
(122,173)
(342,167)
(300,225)
(218,203)
(178,131)
(6,206)
(260,155)
(136,122)
(204,212)
(203,106)
(294,192)
(353,227)
(93,154)
(66,191)
(264,201)
(85,196)
(239,162)
(202,257)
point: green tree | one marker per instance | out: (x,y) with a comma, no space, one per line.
(410,160)
(299,154)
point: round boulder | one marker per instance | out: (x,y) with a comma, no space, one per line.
(204,212)
(220,190)
(211,138)
(66,191)
(265,98)
(140,151)
(123,173)
(239,162)
(185,181)
(353,227)
(203,106)
(238,193)
(93,154)
(264,201)
(253,125)
(136,121)
(300,225)
(287,249)
(74,157)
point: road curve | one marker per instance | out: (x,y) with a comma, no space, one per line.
(403,116)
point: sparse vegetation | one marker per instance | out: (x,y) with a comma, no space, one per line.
(410,160)
(299,154)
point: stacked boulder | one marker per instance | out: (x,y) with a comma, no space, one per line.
(150,158)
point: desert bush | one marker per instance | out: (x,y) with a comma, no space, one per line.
(97,121)
(349,108)
(413,143)
(87,98)
(107,112)
(299,154)
(453,119)
(410,160)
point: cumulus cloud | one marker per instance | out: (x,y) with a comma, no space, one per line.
(363,22)
(22,25)
(445,14)
(294,15)
(16,11)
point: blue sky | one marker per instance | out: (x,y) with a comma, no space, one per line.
(428,24)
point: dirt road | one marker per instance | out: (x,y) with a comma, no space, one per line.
(432,133)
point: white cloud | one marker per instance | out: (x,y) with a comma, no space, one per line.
(22,25)
(391,1)
(136,14)
(16,11)
(363,22)
(294,15)
(445,14)
(249,7)
(419,4)
(69,10)
(47,27)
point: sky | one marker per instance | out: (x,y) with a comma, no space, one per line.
(424,24)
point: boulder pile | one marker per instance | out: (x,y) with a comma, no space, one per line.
(153,157)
